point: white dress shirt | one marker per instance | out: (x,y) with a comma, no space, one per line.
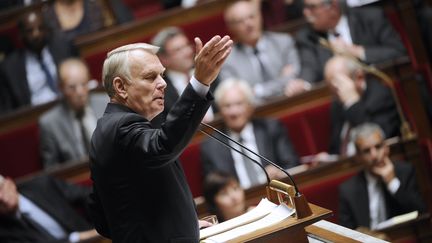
(377,206)
(39,87)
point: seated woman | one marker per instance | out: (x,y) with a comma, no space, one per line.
(224,196)
(74,17)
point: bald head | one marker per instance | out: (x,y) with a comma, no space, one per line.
(74,77)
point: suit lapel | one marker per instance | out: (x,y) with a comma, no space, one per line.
(66,126)
(260,139)
(362,201)
(226,156)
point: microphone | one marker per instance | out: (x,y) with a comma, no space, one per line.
(251,151)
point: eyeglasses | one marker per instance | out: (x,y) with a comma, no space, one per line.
(366,151)
(313,6)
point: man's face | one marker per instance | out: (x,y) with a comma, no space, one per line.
(8,197)
(372,150)
(235,109)
(34,32)
(146,89)
(179,54)
(244,22)
(74,85)
(320,14)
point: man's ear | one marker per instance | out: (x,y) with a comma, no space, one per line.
(120,87)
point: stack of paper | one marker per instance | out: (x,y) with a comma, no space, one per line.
(264,215)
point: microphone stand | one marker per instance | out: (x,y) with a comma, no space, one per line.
(300,203)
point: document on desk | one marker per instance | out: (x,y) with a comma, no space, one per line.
(263,209)
(277,215)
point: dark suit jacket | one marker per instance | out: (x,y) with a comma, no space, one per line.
(368,27)
(272,142)
(376,105)
(56,198)
(140,190)
(354,199)
(14,89)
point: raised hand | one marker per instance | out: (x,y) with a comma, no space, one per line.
(210,57)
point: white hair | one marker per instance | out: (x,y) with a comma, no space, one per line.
(116,63)
(228,84)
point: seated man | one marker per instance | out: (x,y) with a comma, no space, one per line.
(66,129)
(31,72)
(358,99)
(363,33)
(267,60)
(42,210)
(267,137)
(384,188)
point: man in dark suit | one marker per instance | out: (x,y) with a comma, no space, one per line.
(42,210)
(384,188)
(265,136)
(30,73)
(358,99)
(140,190)
(364,33)
(177,55)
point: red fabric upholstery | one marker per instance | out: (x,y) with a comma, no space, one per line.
(141,9)
(309,130)
(191,162)
(325,193)
(20,151)
(12,33)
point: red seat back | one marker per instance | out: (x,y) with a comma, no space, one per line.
(20,151)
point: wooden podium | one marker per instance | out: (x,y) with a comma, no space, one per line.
(291,229)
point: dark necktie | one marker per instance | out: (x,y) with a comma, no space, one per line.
(249,165)
(49,78)
(84,138)
(264,72)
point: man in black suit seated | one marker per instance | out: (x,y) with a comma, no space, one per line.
(358,98)
(364,33)
(42,210)
(384,189)
(31,72)
(140,190)
(176,54)
(267,137)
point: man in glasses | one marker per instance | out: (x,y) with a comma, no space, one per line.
(363,33)
(384,189)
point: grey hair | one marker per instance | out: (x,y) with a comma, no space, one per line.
(365,130)
(228,84)
(163,36)
(116,64)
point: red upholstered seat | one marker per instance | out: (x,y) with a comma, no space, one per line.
(325,193)
(191,162)
(20,151)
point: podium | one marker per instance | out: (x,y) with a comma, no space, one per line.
(291,229)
